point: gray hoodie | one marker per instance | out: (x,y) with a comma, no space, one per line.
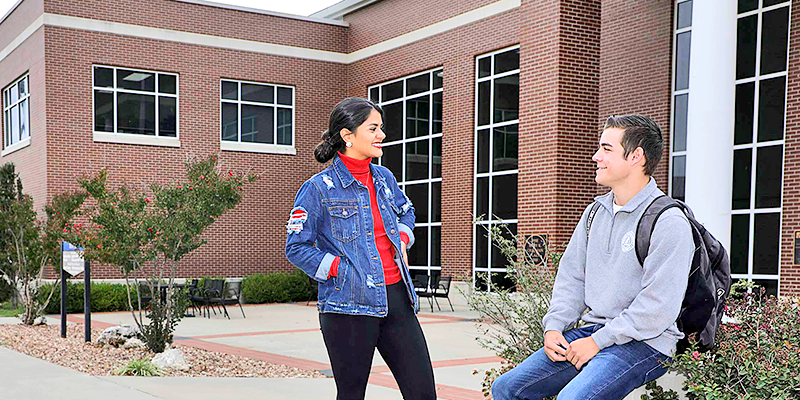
(603,275)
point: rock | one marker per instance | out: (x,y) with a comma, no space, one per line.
(134,343)
(118,335)
(40,321)
(171,359)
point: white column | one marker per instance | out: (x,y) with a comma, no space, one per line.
(709,138)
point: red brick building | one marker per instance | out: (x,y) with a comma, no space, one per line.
(493,107)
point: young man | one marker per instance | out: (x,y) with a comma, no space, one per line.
(629,310)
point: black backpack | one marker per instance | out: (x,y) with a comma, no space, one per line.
(709,277)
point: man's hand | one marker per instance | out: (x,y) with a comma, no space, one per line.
(404,250)
(555,346)
(581,351)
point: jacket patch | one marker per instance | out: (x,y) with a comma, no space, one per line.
(408,203)
(297,218)
(328,181)
(628,242)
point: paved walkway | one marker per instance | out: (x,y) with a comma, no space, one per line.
(279,333)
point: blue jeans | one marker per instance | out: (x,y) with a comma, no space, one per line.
(613,373)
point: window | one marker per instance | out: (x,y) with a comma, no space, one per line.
(16,115)
(257,117)
(135,106)
(758,148)
(496,161)
(680,99)
(412,150)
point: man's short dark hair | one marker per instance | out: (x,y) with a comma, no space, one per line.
(640,131)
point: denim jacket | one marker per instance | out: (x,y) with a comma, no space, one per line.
(332,217)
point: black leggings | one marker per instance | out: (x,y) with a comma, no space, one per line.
(351,341)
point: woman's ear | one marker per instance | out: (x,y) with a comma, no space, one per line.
(344,133)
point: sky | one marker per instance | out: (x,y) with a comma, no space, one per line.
(301,7)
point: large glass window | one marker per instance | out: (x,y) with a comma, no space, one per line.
(412,150)
(257,113)
(758,148)
(16,114)
(496,161)
(135,102)
(680,99)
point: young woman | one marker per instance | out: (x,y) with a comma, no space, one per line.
(349,230)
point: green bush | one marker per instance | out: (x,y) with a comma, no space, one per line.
(276,287)
(756,353)
(105,297)
(6,290)
(139,367)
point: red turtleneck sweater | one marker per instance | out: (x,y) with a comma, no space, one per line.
(360,170)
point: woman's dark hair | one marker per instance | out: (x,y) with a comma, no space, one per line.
(350,113)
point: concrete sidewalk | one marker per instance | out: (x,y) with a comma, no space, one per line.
(278,333)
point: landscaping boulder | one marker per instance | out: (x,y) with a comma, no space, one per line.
(40,321)
(171,359)
(134,343)
(117,335)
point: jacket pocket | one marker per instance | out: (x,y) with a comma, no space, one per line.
(341,274)
(345,225)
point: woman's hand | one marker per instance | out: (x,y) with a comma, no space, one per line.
(404,251)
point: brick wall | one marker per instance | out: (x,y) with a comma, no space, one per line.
(559,57)
(455,51)
(247,240)
(381,21)
(195,18)
(790,273)
(636,66)
(30,162)
(16,22)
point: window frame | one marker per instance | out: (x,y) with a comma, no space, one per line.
(754,145)
(7,106)
(133,138)
(269,148)
(673,155)
(404,141)
(488,222)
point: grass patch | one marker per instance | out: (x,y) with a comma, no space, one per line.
(139,367)
(7,311)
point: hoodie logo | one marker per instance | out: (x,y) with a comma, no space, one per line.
(627,242)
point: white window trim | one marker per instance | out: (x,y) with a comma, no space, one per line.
(265,148)
(22,143)
(675,93)
(489,221)
(752,211)
(127,138)
(430,136)
(134,138)
(16,146)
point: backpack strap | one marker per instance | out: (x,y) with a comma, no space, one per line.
(590,218)
(647,223)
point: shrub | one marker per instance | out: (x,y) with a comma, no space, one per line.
(139,367)
(6,290)
(276,287)
(756,356)
(105,297)
(514,330)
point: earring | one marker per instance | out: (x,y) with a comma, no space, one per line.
(348,144)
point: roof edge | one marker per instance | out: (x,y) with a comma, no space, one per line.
(310,18)
(11,10)
(342,8)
